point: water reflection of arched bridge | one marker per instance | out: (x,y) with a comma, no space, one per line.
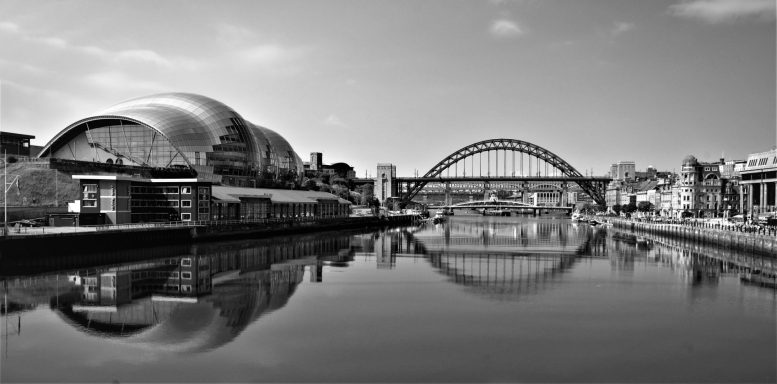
(501,258)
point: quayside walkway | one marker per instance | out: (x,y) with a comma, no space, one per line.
(284,221)
(31,240)
(757,239)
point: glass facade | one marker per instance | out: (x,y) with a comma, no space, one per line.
(179,130)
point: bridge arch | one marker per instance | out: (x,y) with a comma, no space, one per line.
(595,190)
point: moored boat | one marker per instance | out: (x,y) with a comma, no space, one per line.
(757,277)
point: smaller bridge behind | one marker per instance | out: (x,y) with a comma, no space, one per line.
(483,206)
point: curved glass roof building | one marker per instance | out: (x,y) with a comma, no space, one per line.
(179,130)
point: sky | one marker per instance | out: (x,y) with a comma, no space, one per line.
(411,82)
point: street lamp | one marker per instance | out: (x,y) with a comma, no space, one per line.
(6,187)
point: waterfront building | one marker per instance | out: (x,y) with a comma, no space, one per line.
(15,144)
(316,161)
(650,173)
(316,168)
(666,195)
(700,188)
(385,186)
(648,191)
(731,169)
(122,199)
(759,184)
(234,203)
(180,130)
(623,170)
(612,194)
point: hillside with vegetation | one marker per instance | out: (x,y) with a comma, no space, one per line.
(39,186)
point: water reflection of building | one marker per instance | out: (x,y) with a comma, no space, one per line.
(174,278)
(201,300)
(695,264)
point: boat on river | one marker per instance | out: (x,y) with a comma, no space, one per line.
(439,218)
(496,212)
(758,277)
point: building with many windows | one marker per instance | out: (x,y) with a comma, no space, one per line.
(700,189)
(180,130)
(121,199)
(758,192)
(623,170)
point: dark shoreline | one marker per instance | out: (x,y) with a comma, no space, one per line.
(20,249)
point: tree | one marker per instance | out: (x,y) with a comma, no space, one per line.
(587,208)
(645,206)
(617,209)
(310,185)
(367,193)
(339,181)
(629,208)
(341,191)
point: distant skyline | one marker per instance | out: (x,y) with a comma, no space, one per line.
(410,82)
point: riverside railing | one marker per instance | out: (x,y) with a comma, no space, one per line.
(757,240)
(273,221)
(760,229)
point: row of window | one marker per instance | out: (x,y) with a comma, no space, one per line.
(161,190)
(161,275)
(161,203)
(761,161)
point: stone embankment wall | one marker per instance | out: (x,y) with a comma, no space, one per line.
(764,243)
(129,237)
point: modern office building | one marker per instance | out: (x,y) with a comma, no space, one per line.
(180,130)
(121,199)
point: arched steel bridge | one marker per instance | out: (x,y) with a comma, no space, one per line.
(547,167)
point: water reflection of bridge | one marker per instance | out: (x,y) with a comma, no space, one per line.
(501,258)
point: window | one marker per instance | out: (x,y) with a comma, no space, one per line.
(89,195)
(186,288)
(186,190)
(186,203)
(186,217)
(186,275)
(186,262)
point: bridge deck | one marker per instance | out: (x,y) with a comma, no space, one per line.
(501,178)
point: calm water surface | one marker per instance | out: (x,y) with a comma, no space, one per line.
(474,300)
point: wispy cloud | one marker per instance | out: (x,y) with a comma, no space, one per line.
(717,11)
(504,28)
(110,80)
(234,35)
(129,55)
(621,27)
(9,27)
(334,121)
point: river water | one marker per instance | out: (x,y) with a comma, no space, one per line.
(476,299)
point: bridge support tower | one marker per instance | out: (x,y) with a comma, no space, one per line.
(385,185)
